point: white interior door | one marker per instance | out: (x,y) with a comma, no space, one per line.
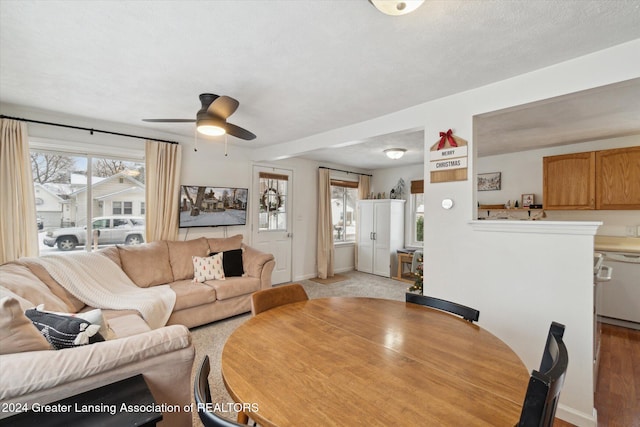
(272,217)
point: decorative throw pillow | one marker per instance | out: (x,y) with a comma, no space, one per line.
(17,333)
(232,262)
(64,331)
(95,317)
(207,268)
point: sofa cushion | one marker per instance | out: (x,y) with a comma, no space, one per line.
(21,281)
(207,268)
(127,325)
(64,331)
(17,333)
(221,244)
(112,253)
(74,304)
(24,304)
(147,264)
(180,254)
(234,286)
(189,294)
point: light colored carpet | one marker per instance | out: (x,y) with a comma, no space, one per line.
(210,339)
(329,280)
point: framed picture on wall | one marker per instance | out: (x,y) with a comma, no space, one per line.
(489,181)
(527,200)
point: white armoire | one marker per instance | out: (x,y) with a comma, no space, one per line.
(380,235)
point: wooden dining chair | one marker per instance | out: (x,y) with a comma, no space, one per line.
(543,392)
(202,394)
(266,299)
(467,313)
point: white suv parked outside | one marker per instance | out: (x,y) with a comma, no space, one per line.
(111,230)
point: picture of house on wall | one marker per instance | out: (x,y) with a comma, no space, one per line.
(489,181)
(202,206)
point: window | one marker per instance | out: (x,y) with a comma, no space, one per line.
(119,222)
(79,189)
(417,212)
(142,208)
(344,195)
(273,201)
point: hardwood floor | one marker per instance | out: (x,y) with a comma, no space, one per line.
(617,396)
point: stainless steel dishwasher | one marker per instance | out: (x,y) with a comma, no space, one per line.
(619,301)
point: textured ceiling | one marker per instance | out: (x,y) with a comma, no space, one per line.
(298,68)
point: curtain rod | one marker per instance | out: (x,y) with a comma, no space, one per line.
(91,130)
(340,170)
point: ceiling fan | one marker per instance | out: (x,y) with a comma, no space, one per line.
(211,119)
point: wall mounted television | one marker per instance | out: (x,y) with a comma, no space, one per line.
(202,206)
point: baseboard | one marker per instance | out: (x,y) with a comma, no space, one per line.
(619,322)
(313,276)
(577,418)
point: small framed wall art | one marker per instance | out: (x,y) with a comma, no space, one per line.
(489,181)
(528,200)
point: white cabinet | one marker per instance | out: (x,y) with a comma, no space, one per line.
(380,235)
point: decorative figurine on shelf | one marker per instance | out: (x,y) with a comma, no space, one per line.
(399,189)
(418,275)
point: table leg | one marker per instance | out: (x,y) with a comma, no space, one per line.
(243,418)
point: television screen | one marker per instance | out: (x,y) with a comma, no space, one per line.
(212,206)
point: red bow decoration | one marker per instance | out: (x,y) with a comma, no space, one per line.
(444,137)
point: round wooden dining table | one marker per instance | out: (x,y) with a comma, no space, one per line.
(371,362)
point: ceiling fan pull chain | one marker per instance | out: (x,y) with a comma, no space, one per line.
(225,145)
(195,134)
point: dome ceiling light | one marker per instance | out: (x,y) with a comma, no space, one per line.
(395,7)
(395,153)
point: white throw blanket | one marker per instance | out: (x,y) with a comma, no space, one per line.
(99,282)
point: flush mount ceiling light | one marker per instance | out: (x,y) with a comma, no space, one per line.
(395,153)
(211,127)
(396,7)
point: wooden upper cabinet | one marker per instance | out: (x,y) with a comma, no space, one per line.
(618,178)
(569,181)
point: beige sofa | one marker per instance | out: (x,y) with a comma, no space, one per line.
(164,356)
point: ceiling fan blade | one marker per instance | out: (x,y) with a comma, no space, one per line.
(239,132)
(169,120)
(223,106)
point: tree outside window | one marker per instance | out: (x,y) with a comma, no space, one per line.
(418,217)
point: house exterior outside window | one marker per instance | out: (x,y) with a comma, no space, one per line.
(72,190)
(344,195)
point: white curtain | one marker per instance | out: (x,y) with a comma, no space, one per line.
(162,190)
(364,186)
(326,252)
(18,229)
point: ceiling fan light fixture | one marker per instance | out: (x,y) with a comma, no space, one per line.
(396,7)
(210,127)
(395,153)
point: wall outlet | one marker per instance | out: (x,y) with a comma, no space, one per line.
(632,231)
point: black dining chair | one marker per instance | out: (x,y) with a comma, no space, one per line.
(467,313)
(202,394)
(543,392)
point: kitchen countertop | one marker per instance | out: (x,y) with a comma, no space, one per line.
(617,244)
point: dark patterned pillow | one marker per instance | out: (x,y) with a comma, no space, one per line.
(64,331)
(232,262)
